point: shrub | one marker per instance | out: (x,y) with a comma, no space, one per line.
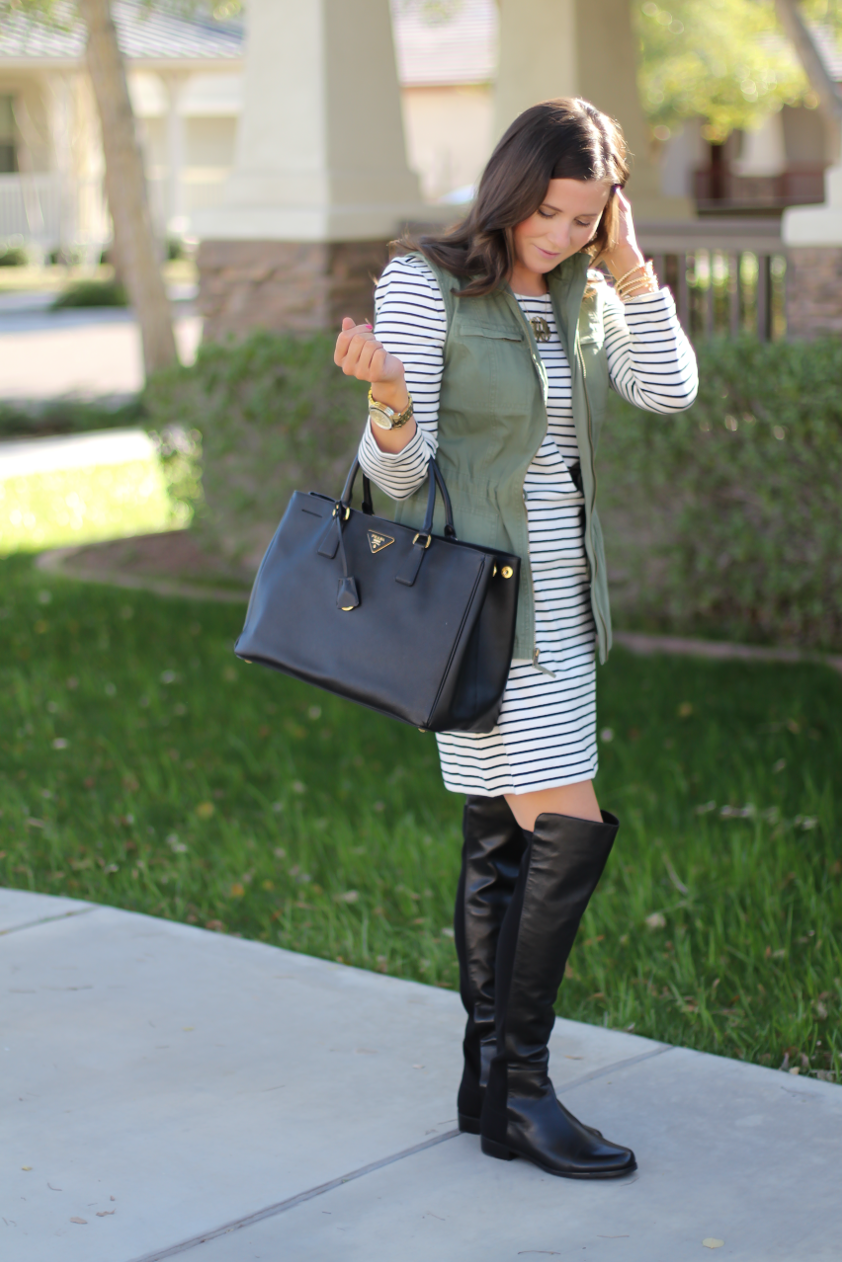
(68,416)
(728,519)
(275,415)
(92,293)
(724,520)
(13,256)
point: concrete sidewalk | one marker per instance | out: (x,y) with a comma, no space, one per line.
(87,352)
(173,1092)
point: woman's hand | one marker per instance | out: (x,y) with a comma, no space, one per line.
(359,354)
(625,254)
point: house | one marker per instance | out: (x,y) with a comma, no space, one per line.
(183,75)
(185,80)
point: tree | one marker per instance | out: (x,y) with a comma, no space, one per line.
(792,21)
(731,62)
(136,247)
(125,184)
(726,61)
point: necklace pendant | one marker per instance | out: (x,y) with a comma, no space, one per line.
(540,328)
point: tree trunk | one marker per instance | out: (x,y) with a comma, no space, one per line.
(125,185)
(789,16)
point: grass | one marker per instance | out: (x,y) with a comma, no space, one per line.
(142,765)
(75,506)
(55,278)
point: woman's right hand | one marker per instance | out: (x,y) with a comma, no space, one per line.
(359,354)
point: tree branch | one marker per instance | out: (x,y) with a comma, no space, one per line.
(789,15)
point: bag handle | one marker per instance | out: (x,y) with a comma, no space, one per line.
(348,490)
(435,481)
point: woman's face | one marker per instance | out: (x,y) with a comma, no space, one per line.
(563,223)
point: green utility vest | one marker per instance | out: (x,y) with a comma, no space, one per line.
(493,419)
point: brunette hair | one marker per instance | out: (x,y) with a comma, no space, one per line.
(564,139)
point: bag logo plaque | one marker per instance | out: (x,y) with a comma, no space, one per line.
(378,542)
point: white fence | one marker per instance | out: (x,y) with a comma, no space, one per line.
(48,212)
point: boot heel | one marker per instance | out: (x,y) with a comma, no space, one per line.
(467,1124)
(492,1149)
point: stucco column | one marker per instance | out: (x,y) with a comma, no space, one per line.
(321,181)
(174,84)
(581,48)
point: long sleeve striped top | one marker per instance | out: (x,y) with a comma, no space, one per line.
(650,362)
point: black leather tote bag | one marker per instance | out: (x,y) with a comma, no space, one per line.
(411,624)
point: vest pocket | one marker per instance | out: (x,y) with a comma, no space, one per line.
(479,328)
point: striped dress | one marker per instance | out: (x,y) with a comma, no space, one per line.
(546,733)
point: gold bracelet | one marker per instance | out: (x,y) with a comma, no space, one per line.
(630,277)
(637,284)
(630,272)
(650,287)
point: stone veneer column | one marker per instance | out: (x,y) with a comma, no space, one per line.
(320,183)
(813,237)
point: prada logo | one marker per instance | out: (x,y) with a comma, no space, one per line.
(378,542)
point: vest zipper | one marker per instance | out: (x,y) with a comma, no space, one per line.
(581,359)
(538,364)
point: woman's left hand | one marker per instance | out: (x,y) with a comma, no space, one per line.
(625,254)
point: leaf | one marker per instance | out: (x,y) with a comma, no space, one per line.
(83,1221)
(710,1242)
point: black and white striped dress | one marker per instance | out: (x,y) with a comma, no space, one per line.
(546,733)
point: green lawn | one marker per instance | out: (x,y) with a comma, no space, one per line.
(142,765)
(74,506)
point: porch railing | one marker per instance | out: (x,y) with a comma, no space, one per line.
(717,188)
(728,275)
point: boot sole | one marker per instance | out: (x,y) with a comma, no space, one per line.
(467,1124)
(503,1152)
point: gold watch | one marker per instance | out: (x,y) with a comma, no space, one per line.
(385,417)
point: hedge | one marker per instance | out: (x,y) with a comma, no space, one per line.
(725,520)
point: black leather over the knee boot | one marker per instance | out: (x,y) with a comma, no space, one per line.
(493,847)
(521,1115)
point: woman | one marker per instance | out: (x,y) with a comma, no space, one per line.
(494,348)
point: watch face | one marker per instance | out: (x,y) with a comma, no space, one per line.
(380,419)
